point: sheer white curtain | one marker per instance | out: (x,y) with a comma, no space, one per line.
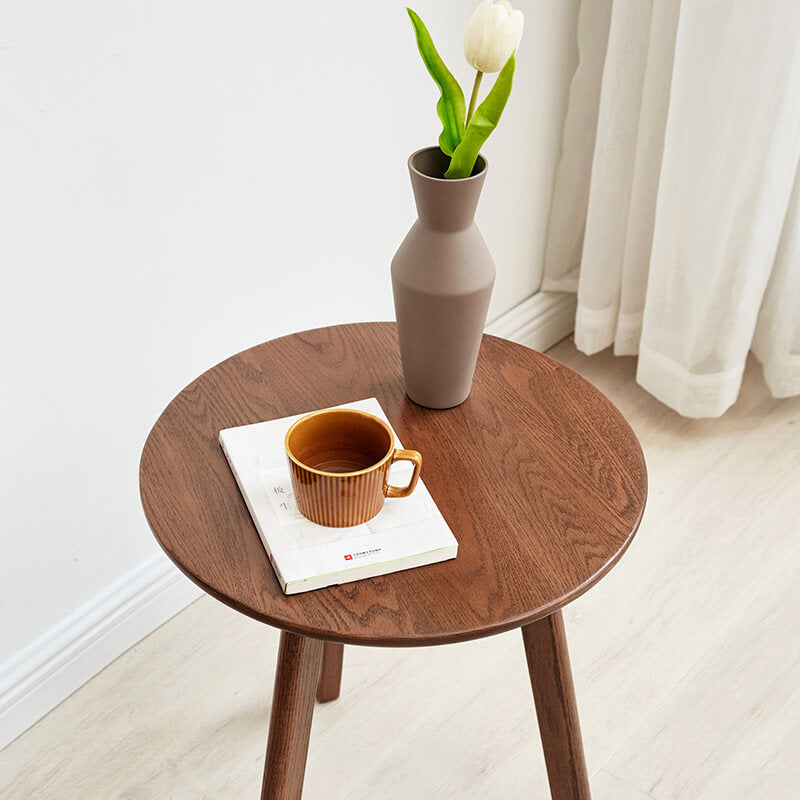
(676,207)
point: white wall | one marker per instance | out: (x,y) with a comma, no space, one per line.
(181,180)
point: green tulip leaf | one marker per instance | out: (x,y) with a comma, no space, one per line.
(451,107)
(483,122)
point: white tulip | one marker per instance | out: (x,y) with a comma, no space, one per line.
(492,35)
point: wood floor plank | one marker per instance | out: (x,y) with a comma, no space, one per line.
(396,710)
(608,787)
(486,741)
(729,720)
(765,763)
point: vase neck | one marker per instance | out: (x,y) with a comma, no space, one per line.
(444,204)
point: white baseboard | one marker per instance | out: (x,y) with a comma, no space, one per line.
(37,678)
(539,322)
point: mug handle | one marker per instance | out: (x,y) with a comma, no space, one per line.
(405,455)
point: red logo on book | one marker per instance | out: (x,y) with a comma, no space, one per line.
(348,558)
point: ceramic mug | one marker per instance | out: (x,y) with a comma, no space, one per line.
(339,460)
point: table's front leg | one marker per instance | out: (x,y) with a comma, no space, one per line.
(554,695)
(299,662)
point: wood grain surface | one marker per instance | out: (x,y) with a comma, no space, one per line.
(556,709)
(538,475)
(296,678)
(330,679)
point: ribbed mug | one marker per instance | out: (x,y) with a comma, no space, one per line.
(339,461)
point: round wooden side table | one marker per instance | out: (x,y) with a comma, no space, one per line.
(538,475)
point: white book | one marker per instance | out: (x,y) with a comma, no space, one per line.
(408,532)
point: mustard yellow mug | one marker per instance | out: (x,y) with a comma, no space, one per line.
(339,460)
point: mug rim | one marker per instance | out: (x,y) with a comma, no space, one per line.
(355,411)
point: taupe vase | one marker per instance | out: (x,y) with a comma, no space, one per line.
(442,278)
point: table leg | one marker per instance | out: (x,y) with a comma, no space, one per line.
(554,696)
(299,662)
(330,679)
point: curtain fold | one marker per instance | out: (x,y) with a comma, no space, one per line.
(671,213)
(777,338)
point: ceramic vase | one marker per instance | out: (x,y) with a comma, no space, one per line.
(442,279)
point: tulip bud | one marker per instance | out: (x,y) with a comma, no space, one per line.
(492,35)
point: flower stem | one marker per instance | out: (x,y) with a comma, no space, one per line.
(473,99)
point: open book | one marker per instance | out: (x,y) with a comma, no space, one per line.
(408,532)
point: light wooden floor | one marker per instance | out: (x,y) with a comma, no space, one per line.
(686,661)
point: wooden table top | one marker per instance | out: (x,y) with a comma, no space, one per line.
(539,476)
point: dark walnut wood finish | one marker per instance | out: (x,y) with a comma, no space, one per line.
(556,709)
(299,662)
(538,475)
(330,679)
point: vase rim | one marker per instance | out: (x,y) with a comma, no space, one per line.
(479,174)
